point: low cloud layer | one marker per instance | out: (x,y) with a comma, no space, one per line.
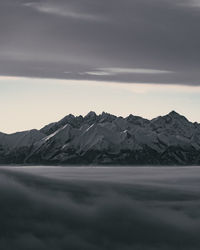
(49,38)
(45,213)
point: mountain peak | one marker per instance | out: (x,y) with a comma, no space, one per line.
(106,117)
(173,113)
(67,118)
(91,114)
(105,114)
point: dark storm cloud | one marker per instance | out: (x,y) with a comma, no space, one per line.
(44,213)
(144,41)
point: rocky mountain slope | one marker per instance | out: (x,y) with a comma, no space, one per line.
(106,139)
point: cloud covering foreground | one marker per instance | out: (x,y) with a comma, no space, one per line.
(38,212)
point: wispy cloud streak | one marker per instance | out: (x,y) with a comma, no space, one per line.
(116,71)
(61,9)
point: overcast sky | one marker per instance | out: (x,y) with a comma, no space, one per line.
(110,41)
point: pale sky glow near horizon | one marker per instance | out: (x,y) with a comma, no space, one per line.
(27,103)
(139,57)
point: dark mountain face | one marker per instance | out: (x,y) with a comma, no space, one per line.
(78,121)
(106,139)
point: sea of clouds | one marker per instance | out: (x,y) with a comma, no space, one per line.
(106,209)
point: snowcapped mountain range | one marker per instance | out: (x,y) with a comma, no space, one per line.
(106,139)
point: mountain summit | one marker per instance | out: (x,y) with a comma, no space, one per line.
(106,139)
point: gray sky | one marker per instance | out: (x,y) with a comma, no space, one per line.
(119,56)
(154,41)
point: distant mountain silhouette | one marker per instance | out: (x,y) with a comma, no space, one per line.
(106,139)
